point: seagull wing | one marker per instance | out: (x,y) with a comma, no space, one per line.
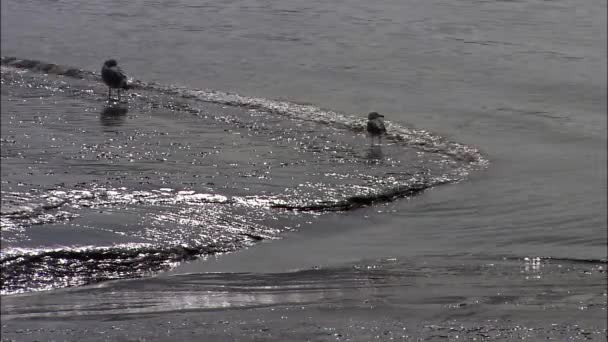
(381,126)
(119,71)
(370,126)
(122,75)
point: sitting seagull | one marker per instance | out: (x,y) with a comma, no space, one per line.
(375,126)
(113,77)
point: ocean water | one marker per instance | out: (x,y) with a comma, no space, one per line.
(245,128)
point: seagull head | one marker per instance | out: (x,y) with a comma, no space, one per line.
(374,115)
(110,63)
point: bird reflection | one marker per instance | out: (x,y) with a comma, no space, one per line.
(113,115)
(374,154)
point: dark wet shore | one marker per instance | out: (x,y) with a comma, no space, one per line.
(441,299)
(312,323)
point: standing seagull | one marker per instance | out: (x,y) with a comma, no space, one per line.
(375,126)
(113,77)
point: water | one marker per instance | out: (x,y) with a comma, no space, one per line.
(146,191)
(509,98)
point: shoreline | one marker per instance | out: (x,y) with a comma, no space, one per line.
(304,323)
(437,299)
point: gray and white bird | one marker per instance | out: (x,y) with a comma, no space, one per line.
(375,126)
(113,77)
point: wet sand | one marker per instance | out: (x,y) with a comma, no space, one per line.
(453,299)
(318,323)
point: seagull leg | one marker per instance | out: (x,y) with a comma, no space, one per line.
(118,95)
(109,93)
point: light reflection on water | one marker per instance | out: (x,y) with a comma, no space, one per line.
(179,168)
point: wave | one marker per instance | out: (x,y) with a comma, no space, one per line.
(20,209)
(576,260)
(355,202)
(25,270)
(38,269)
(194,223)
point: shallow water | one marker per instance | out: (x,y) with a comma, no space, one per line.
(522,81)
(94,192)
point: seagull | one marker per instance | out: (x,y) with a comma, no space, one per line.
(113,77)
(375,126)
